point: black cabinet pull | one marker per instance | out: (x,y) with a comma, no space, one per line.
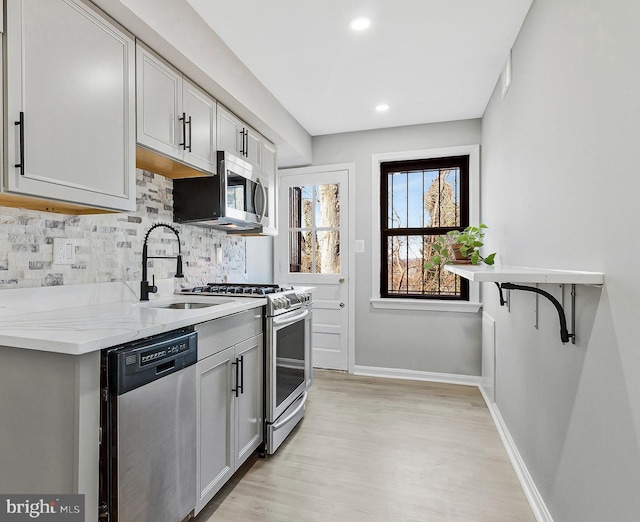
(246,143)
(21,165)
(242,146)
(236,381)
(185,136)
(184,131)
(242,374)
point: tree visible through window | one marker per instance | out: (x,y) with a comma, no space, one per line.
(314,229)
(421,200)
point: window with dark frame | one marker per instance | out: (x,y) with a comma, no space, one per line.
(419,201)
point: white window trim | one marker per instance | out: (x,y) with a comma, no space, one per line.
(473,304)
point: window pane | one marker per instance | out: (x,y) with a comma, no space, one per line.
(438,281)
(415,199)
(295,207)
(307,206)
(406,274)
(300,252)
(328,208)
(398,210)
(442,199)
(328,252)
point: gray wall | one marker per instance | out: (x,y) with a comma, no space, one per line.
(561,190)
(443,342)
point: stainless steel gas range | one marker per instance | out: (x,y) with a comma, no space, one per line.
(288,365)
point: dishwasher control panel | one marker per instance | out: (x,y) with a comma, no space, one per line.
(132,365)
(150,356)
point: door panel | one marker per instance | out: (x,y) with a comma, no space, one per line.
(249,401)
(201,132)
(78,111)
(216,425)
(159,102)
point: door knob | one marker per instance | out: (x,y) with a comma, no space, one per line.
(342,305)
(341,280)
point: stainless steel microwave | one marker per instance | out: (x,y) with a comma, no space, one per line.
(238,198)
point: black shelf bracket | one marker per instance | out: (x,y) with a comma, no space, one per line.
(564,332)
(502,301)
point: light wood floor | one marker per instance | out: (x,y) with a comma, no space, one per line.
(382,450)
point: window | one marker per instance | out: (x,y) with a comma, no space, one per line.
(314,228)
(420,200)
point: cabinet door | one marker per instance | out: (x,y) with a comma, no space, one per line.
(200,109)
(268,158)
(215,424)
(70,74)
(159,93)
(229,132)
(249,406)
(252,146)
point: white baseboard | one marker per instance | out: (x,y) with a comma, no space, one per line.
(414,375)
(536,502)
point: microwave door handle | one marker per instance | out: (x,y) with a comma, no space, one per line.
(264,200)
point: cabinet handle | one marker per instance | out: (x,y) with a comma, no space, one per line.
(185,136)
(184,131)
(242,146)
(246,143)
(236,381)
(21,165)
(241,374)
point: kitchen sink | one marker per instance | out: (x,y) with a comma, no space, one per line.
(191,306)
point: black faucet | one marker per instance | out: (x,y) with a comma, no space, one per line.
(145,287)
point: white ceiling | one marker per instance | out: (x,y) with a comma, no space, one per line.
(429,60)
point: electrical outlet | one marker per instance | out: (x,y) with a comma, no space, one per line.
(64,251)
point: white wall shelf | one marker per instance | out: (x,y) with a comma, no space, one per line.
(507,277)
(522,274)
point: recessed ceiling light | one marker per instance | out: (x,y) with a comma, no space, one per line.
(360,24)
(382,107)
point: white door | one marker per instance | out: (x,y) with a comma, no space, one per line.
(312,249)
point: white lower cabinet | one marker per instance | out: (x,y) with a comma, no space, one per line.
(230,412)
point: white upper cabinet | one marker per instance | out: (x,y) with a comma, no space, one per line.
(175,117)
(269,157)
(237,137)
(230,132)
(200,127)
(159,93)
(252,146)
(70,105)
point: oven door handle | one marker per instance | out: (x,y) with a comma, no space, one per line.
(281,422)
(289,320)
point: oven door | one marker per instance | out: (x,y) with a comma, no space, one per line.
(288,350)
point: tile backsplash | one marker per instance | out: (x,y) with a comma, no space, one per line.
(108,247)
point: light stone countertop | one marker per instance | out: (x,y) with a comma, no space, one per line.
(78,319)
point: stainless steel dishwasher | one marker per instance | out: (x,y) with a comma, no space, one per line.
(148,418)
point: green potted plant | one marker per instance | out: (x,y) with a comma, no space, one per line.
(459,247)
